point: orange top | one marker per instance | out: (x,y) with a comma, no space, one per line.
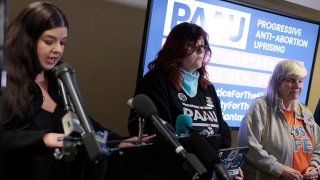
(302,141)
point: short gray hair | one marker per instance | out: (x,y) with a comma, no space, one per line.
(283,70)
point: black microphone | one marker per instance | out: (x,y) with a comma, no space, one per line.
(167,124)
(146,108)
(70,121)
(141,123)
(66,74)
(209,157)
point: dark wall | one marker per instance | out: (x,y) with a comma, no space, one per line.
(103,47)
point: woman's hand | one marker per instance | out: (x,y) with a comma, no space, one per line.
(291,174)
(311,173)
(51,140)
(131,142)
(239,176)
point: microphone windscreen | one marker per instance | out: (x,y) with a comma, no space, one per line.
(182,122)
(144,106)
(61,68)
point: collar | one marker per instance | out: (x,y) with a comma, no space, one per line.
(300,111)
(190,82)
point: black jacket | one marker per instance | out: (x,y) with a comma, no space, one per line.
(170,104)
(25,156)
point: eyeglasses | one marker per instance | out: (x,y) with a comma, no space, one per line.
(198,48)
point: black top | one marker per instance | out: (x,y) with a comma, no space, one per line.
(204,108)
(48,120)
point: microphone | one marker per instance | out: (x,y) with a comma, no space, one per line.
(183,122)
(209,156)
(141,120)
(70,122)
(66,74)
(184,125)
(141,124)
(146,108)
(167,124)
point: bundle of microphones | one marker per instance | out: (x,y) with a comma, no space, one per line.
(205,162)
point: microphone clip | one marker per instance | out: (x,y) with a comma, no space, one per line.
(69,150)
(141,129)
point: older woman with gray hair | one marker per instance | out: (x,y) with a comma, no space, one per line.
(280,131)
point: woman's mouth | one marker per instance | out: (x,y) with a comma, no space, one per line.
(51,60)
